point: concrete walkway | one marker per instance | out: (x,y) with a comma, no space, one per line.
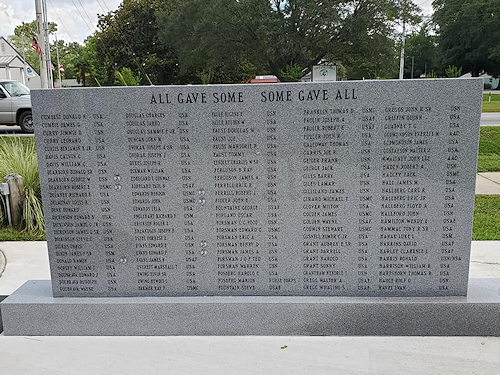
(488,119)
(250,355)
(488,183)
(23,261)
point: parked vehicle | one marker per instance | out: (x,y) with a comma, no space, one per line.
(15,105)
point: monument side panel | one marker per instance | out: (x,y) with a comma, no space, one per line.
(335,188)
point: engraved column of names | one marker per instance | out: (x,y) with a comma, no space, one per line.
(324,146)
(150,144)
(403,223)
(236,184)
(68,185)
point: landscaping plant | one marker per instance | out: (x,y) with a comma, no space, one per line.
(18,155)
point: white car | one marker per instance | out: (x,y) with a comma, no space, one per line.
(15,105)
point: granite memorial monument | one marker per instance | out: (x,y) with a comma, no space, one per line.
(259,209)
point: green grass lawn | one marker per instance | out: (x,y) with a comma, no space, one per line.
(487,218)
(489,149)
(493,105)
(11,234)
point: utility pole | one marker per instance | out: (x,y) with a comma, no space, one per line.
(47,45)
(41,43)
(412,64)
(402,58)
(58,65)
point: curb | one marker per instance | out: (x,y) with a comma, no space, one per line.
(3,262)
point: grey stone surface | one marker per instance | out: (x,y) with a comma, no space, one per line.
(33,311)
(343,188)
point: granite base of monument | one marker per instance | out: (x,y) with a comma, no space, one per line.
(33,311)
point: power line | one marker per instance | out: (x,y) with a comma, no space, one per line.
(90,20)
(60,19)
(83,18)
(103,47)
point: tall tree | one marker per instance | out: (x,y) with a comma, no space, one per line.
(274,35)
(128,38)
(423,48)
(469,36)
(69,53)
(89,69)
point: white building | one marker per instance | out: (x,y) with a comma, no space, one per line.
(13,67)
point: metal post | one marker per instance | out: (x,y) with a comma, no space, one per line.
(25,76)
(412,63)
(402,58)
(41,42)
(58,66)
(4,190)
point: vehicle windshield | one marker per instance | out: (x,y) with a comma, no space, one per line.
(15,88)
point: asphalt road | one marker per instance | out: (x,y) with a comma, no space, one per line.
(487,119)
(12,131)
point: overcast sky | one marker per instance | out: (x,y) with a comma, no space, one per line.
(75,22)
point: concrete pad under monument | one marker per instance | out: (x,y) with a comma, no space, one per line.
(320,200)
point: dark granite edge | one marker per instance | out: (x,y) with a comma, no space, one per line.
(1,325)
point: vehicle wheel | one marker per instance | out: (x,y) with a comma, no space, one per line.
(26,122)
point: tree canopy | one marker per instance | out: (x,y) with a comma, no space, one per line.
(270,36)
(422,46)
(229,41)
(469,36)
(128,38)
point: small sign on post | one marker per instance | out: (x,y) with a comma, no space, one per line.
(324,73)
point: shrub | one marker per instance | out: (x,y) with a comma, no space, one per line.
(18,155)
(453,71)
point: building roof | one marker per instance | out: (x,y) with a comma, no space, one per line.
(6,60)
(266,80)
(18,55)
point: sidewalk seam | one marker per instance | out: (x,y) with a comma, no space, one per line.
(489,179)
(492,263)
